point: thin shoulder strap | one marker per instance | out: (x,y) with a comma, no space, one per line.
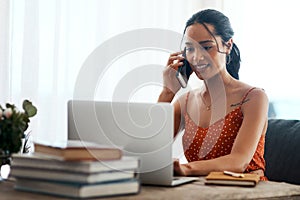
(186,101)
(245,96)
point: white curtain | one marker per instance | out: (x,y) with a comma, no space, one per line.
(44,44)
(267,33)
(4,51)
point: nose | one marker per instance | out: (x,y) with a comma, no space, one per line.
(198,56)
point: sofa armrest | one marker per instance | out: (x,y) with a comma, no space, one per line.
(282,150)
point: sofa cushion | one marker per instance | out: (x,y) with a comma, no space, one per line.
(282,150)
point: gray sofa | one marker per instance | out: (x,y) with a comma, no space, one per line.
(282,150)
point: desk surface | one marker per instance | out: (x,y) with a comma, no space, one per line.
(195,190)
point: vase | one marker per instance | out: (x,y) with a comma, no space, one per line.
(5,160)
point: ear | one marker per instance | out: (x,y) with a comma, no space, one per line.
(228,45)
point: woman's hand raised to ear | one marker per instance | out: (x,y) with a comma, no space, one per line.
(170,82)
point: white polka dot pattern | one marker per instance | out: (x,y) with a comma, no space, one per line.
(214,141)
(217,140)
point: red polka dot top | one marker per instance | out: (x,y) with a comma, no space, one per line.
(217,139)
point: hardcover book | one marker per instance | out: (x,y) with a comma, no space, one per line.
(42,161)
(79,150)
(79,190)
(64,176)
(219,178)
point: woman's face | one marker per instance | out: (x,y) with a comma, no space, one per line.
(202,51)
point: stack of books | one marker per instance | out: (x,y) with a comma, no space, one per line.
(76,169)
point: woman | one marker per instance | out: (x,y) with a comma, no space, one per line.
(225,120)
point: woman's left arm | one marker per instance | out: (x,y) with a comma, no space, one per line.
(254,125)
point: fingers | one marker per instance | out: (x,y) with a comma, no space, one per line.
(176,162)
(175,58)
(175,66)
(176,54)
(176,167)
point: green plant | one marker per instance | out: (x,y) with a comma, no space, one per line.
(13,124)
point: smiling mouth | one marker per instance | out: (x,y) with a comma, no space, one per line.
(202,66)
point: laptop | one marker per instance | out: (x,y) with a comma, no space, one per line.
(144,130)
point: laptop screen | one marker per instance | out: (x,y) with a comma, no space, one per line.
(140,129)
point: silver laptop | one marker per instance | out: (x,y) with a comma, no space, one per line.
(140,129)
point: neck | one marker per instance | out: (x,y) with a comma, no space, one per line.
(215,95)
(217,83)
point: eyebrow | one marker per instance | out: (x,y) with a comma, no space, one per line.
(201,42)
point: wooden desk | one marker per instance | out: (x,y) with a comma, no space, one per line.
(195,190)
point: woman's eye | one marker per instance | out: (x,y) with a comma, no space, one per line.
(190,49)
(207,48)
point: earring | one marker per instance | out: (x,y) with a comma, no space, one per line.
(228,59)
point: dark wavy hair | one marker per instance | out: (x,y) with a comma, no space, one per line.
(222,28)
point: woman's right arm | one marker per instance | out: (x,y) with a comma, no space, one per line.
(171,86)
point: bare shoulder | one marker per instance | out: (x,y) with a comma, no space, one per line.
(248,91)
(251,96)
(256,93)
(255,99)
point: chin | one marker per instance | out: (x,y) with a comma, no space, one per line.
(206,75)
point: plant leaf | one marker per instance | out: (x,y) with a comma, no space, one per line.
(30,109)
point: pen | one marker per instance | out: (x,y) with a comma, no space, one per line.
(238,175)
